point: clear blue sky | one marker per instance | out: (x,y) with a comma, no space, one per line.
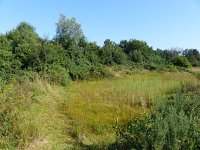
(161,23)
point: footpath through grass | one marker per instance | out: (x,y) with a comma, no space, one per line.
(80,116)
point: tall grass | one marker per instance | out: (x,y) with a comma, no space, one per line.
(173,125)
(94,107)
(37,115)
(15,132)
(29,118)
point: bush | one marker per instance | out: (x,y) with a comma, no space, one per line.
(173,125)
(182,62)
(56,74)
(99,72)
(14,100)
(79,69)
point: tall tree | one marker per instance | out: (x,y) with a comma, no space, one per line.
(137,50)
(6,56)
(68,32)
(170,55)
(193,56)
(111,53)
(25,45)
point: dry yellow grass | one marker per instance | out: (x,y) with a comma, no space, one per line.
(194,69)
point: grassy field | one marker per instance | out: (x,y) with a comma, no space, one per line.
(93,108)
(84,114)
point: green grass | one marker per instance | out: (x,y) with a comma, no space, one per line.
(82,115)
(173,125)
(94,107)
(30,117)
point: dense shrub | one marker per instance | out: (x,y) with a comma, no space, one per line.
(98,72)
(5,55)
(14,100)
(56,74)
(111,54)
(22,51)
(182,62)
(173,125)
(193,56)
(79,69)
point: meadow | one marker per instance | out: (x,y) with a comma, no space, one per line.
(94,107)
(82,115)
(70,93)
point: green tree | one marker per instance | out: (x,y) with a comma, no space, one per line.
(68,32)
(91,51)
(193,56)
(111,54)
(181,61)
(6,56)
(138,51)
(169,55)
(25,45)
(51,53)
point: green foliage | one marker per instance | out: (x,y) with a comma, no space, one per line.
(173,125)
(136,56)
(97,72)
(91,51)
(143,55)
(168,55)
(155,62)
(56,74)
(68,32)
(6,56)
(193,56)
(14,100)
(51,53)
(82,69)
(24,56)
(111,54)
(79,69)
(25,45)
(22,51)
(137,50)
(182,62)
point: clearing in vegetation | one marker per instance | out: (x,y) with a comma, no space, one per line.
(47,101)
(95,107)
(82,115)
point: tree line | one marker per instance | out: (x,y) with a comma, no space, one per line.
(69,55)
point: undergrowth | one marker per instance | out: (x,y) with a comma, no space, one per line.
(14,100)
(173,125)
(37,115)
(92,108)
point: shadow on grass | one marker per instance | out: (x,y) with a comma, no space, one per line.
(83,146)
